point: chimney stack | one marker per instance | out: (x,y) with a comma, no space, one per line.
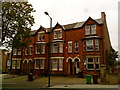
(103,16)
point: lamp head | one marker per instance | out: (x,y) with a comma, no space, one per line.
(46,13)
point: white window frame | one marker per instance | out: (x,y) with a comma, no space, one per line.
(39,36)
(53,48)
(13,64)
(60,34)
(30,50)
(60,47)
(98,62)
(42,63)
(26,51)
(36,49)
(43,49)
(36,63)
(19,51)
(93,30)
(76,46)
(14,51)
(87,30)
(18,64)
(42,35)
(89,45)
(96,45)
(56,63)
(90,63)
(70,47)
(55,34)
(60,64)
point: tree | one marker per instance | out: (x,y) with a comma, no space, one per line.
(16,23)
(111,58)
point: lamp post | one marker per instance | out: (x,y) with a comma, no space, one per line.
(49,54)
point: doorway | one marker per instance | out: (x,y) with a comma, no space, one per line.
(76,67)
(70,66)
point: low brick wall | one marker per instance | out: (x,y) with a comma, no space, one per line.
(112,78)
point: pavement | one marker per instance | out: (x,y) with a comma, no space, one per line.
(57,82)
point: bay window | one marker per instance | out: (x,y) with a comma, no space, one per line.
(96,45)
(61,47)
(55,48)
(13,64)
(54,64)
(37,49)
(42,49)
(89,45)
(37,64)
(57,64)
(60,64)
(97,63)
(42,64)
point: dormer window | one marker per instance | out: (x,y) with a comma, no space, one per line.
(58,34)
(41,36)
(90,29)
(93,29)
(87,30)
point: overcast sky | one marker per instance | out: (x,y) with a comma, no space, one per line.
(71,11)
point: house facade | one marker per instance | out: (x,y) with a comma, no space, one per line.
(74,48)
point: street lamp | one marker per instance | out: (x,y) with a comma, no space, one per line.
(49,55)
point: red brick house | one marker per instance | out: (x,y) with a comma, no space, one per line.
(76,47)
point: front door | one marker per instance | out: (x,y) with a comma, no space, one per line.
(70,66)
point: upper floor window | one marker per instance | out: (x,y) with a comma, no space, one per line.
(26,51)
(19,51)
(90,29)
(14,51)
(76,46)
(87,30)
(41,36)
(70,47)
(42,49)
(96,45)
(93,29)
(37,49)
(89,45)
(58,34)
(55,48)
(61,47)
(30,50)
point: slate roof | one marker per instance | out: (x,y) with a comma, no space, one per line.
(70,26)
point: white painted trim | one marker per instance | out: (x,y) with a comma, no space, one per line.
(56,57)
(25,60)
(70,58)
(16,59)
(40,58)
(41,32)
(77,58)
(58,29)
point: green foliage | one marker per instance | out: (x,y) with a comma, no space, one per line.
(111,58)
(16,23)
